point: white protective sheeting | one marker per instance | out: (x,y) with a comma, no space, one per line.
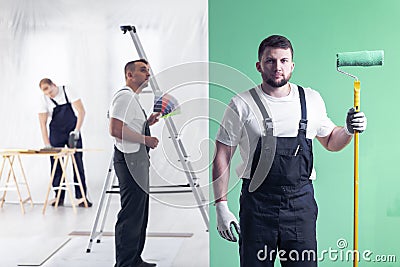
(79,44)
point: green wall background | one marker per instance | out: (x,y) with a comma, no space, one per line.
(318,30)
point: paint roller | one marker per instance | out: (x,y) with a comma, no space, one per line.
(364,59)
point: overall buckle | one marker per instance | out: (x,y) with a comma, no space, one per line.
(269,127)
(303,125)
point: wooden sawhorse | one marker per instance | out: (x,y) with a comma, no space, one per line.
(62,159)
(9,157)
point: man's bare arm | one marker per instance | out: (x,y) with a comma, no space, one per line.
(336,140)
(43,128)
(220,171)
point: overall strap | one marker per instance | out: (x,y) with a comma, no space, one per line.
(65,94)
(266,146)
(146,129)
(266,118)
(52,100)
(303,121)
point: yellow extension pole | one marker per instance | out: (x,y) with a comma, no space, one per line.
(355,234)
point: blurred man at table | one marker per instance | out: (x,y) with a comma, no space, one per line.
(65,126)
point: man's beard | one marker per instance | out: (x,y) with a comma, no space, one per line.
(274,84)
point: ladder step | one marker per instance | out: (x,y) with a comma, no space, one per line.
(112,192)
(169,186)
(156,191)
(159,186)
(171,192)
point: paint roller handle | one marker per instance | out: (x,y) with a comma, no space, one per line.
(355,121)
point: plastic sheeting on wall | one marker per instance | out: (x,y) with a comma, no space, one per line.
(79,44)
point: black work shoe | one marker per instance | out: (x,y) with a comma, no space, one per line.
(146,264)
(82,204)
(60,203)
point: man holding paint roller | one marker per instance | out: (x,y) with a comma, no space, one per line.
(129,126)
(64,129)
(274,125)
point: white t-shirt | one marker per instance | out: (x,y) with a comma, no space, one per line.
(47,106)
(125,106)
(241,124)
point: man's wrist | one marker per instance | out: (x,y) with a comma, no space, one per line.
(347,131)
(222,199)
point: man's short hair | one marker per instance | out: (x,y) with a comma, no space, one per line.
(45,80)
(275,41)
(130,66)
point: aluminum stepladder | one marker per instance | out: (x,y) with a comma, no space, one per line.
(110,186)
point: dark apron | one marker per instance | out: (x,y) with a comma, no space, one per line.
(63,121)
(281,213)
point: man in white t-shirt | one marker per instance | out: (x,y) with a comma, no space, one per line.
(65,126)
(129,126)
(274,125)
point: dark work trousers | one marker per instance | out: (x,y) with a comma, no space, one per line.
(281,214)
(278,219)
(63,121)
(132,170)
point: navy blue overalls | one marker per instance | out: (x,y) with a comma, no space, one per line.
(62,123)
(281,214)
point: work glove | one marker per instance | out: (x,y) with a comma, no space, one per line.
(225,220)
(75,133)
(73,139)
(47,146)
(355,121)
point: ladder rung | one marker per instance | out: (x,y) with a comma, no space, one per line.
(170,191)
(159,186)
(155,191)
(112,192)
(169,186)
